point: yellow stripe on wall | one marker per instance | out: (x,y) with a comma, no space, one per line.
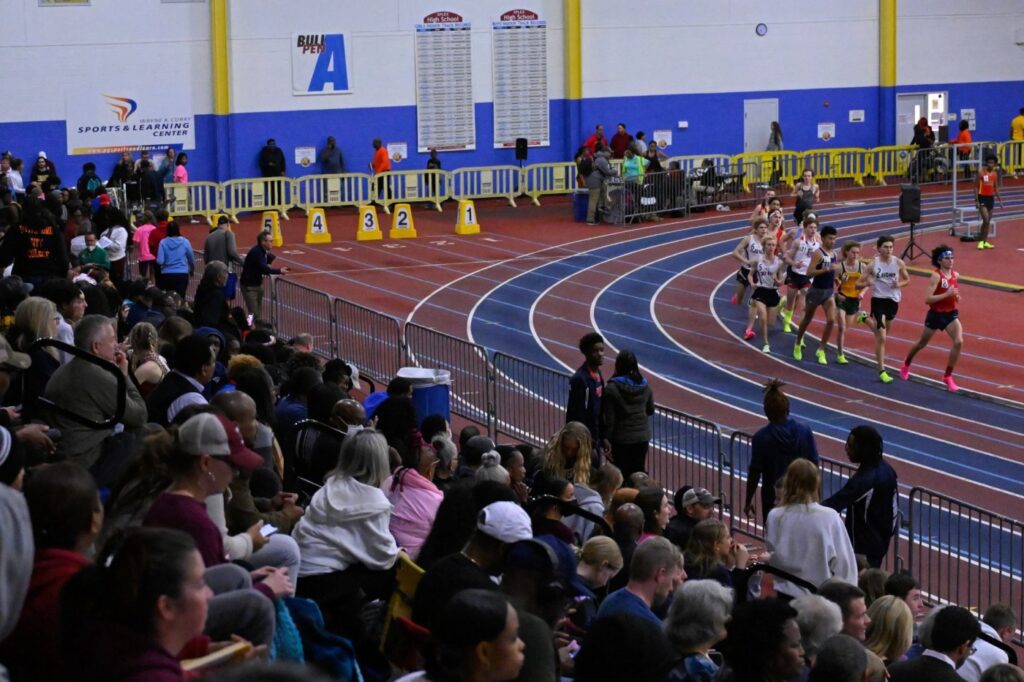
(219,56)
(887,43)
(574,50)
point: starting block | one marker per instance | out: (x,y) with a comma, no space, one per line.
(401,223)
(316,227)
(368,229)
(466,222)
(270,223)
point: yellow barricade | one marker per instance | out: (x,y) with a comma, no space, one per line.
(1011,156)
(543,179)
(331,191)
(403,187)
(767,168)
(849,163)
(486,182)
(185,200)
(258,194)
(889,162)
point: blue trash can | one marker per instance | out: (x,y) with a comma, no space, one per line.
(431,391)
(579,205)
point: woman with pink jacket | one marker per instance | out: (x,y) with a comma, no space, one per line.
(414,496)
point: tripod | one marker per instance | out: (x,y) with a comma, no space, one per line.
(912,247)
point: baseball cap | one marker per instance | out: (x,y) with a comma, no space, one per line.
(212,434)
(11,357)
(695,495)
(504,521)
(42,155)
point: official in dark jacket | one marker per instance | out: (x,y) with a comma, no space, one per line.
(586,389)
(627,406)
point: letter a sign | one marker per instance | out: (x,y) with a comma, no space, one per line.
(319,64)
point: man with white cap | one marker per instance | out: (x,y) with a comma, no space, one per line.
(499,525)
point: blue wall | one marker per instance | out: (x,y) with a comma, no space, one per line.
(227,149)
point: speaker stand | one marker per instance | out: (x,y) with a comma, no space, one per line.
(912,248)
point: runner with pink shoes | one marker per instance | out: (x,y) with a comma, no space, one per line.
(942,314)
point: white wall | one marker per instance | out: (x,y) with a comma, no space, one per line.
(701,46)
(44,49)
(951,41)
(380,48)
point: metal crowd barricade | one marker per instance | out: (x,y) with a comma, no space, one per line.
(529,400)
(370,340)
(258,194)
(543,179)
(195,276)
(684,450)
(931,165)
(185,200)
(331,191)
(964,554)
(467,362)
(486,182)
(714,184)
(299,309)
(1011,156)
(666,192)
(430,186)
(889,164)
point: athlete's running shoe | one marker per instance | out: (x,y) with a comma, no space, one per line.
(986,245)
(884,376)
(820,354)
(798,352)
(748,334)
(787,321)
(950,384)
(905,371)
(862,317)
(841,359)
(766,348)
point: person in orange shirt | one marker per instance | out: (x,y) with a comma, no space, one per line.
(963,145)
(381,164)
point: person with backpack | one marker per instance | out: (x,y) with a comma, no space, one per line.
(89,182)
(600,171)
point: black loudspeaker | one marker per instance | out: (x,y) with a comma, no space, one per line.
(910,204)
(522,148)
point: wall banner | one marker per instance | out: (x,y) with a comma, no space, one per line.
(320,64)
(101,119)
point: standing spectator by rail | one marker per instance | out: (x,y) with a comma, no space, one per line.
(272,165)
(924,136)
(166,167)
(621,141)
(220,245)
(176,260)
(963,145)
(124,170)
(180,171)
(256,266)
(433,164)
(597,187)
(43,173)
(775,138)
(774,447)
(16,181)
(1017,126)
(586,389)
(597,140)
(331,160)
(151,185)
(381,164)
(627,406)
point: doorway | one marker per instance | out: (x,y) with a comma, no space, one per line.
(758,115)
(910,107)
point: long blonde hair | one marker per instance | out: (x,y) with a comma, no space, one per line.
(554,459)
(892,628)
(142,340)
(802,482)
(33,320)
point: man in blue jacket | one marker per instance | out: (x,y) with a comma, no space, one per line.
(585,390)
(257,265)
(774,447)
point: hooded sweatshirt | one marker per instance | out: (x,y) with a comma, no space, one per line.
(416,500)
(627,404)
(774,447)
(175,256)
(346,523)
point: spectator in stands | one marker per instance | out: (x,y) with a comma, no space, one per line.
(414,497)
(447,462)
(807,539)
(903,585)
(498,526)
(456,519)
(1004,672)
(114,240)
(869,496)
(774,447)
(951,640)
(570,453)
(655,571)
(142,601)
(35,318)
(144,361)
(180,170)
(471,455)
(35,247)
(850,600)
(44,173)
(999,623)
(695,624)
(151,184)
(624,646)
(891,631)
(872,582)
(220,245)
(166,166)
(600,561)
(476,638)
(712,554)
(491,469)
(89,182)
(16,180)
(762,643)
(70,301)
(192,369)
(140,238)
(257,265)
(553,498)
(620,141)
(331,161)
(841,659)
(176,261)
(93,254)
(633,168)
(66,513)
(693,505)
(818,619)
(124,170)
(532,583)
(924,136)
(210,305)
(513,462)
(596,140)
(654,503)
(627,405)
(627,525)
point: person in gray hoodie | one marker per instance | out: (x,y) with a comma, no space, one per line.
(596,181)
(628,403)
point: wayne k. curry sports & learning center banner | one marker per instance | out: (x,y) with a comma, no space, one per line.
(114,119)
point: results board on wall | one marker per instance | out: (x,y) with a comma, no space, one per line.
(320,64)
(445,119)
(103,118)
(520,65)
